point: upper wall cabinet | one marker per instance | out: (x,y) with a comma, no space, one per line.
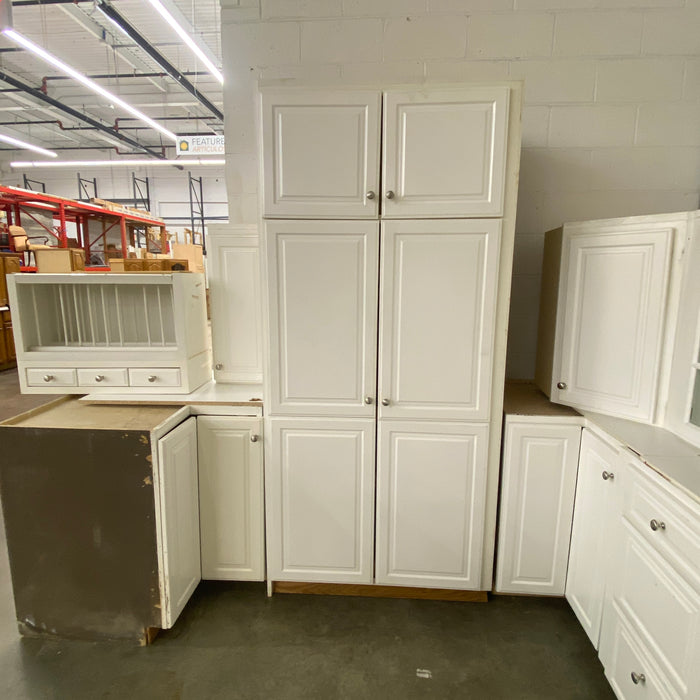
(321,154)
(605,289)
(444,153)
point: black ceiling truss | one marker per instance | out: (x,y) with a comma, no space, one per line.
(158,57)
(39,95)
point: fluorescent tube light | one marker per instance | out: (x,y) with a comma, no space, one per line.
(114,163)
(189,41)
(24,144)
(64,68)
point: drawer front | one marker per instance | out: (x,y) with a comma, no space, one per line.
(157,376)
(103,377)
(625,655)
(669,524)
(51,377)
(662,607)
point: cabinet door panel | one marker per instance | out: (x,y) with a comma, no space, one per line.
(320,500)
(431,480)
(236,309)
(438,298)
(179,518)
(231,498)
(445,152)
(538,483)
(321,153)
(590,534)
(323,313)
(611,320)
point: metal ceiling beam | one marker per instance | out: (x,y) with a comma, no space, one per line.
(158,57)
(46,99)
(122,76)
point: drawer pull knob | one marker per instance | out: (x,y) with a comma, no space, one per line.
(638,678)
(385,402)
(369,400)
(254,437)
(99,377)
(657,525)
(370,195)
(218,365)
(389,194)
(48,377)
(561,385)
(608,475)
(152,378)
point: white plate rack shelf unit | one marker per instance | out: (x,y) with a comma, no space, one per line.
(105,332)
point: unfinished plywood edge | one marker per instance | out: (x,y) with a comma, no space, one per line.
(37,409)
(149,635)
(369,591)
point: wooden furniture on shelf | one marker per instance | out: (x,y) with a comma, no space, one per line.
(386,322)
(109,332)
(9,264)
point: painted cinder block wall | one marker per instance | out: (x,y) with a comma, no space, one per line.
(611,119)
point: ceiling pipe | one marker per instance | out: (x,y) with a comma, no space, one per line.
(123,76)
(47,99)
(111,13)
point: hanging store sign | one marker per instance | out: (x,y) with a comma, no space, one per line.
(210,145)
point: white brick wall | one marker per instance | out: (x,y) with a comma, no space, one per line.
(611,122)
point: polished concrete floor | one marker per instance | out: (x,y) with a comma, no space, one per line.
(233,642)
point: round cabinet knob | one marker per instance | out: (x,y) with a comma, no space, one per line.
(370,195)
(385,402)
(561,385)
(657,525)
(254,437)
(608,475)
(218,365)
(638,678)
(99,377)
(390,194)
(369,400)
(48,377)
(152,378)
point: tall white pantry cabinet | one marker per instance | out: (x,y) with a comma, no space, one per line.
(388,233)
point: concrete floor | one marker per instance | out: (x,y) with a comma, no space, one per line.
(232,642)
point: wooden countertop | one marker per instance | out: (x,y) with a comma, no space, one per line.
(525,399)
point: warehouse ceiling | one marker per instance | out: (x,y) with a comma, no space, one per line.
(82,36)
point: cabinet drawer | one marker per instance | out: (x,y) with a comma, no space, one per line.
(625,654)
(154,377)
(667,523)
(663,609)
(103,377)
(51,377)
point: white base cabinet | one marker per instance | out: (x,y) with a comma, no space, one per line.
(594,518)
(231,497)
(538,483)
(430,503)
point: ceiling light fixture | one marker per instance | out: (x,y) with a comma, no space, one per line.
(115,163)
(189,41)
(23,144)
(64,68)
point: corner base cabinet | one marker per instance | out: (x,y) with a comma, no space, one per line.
(102,518)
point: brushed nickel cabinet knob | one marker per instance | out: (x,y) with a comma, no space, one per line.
(561,385)
(608,475)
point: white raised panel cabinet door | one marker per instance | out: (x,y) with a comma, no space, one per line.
(438,299)
(431,482)
(178,518)
(323,315)
(610,320)
(233,263)
(321,153)
(232,522)
(538,482)
(320,500)
(596,491)
(444,152)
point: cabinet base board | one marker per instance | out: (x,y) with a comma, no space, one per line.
(370,591)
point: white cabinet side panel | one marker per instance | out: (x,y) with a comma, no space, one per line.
(319,476)
(178,513)
(431,481)
(538,483)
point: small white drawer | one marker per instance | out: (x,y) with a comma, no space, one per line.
(103,377)
(51,377)
(168,376)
